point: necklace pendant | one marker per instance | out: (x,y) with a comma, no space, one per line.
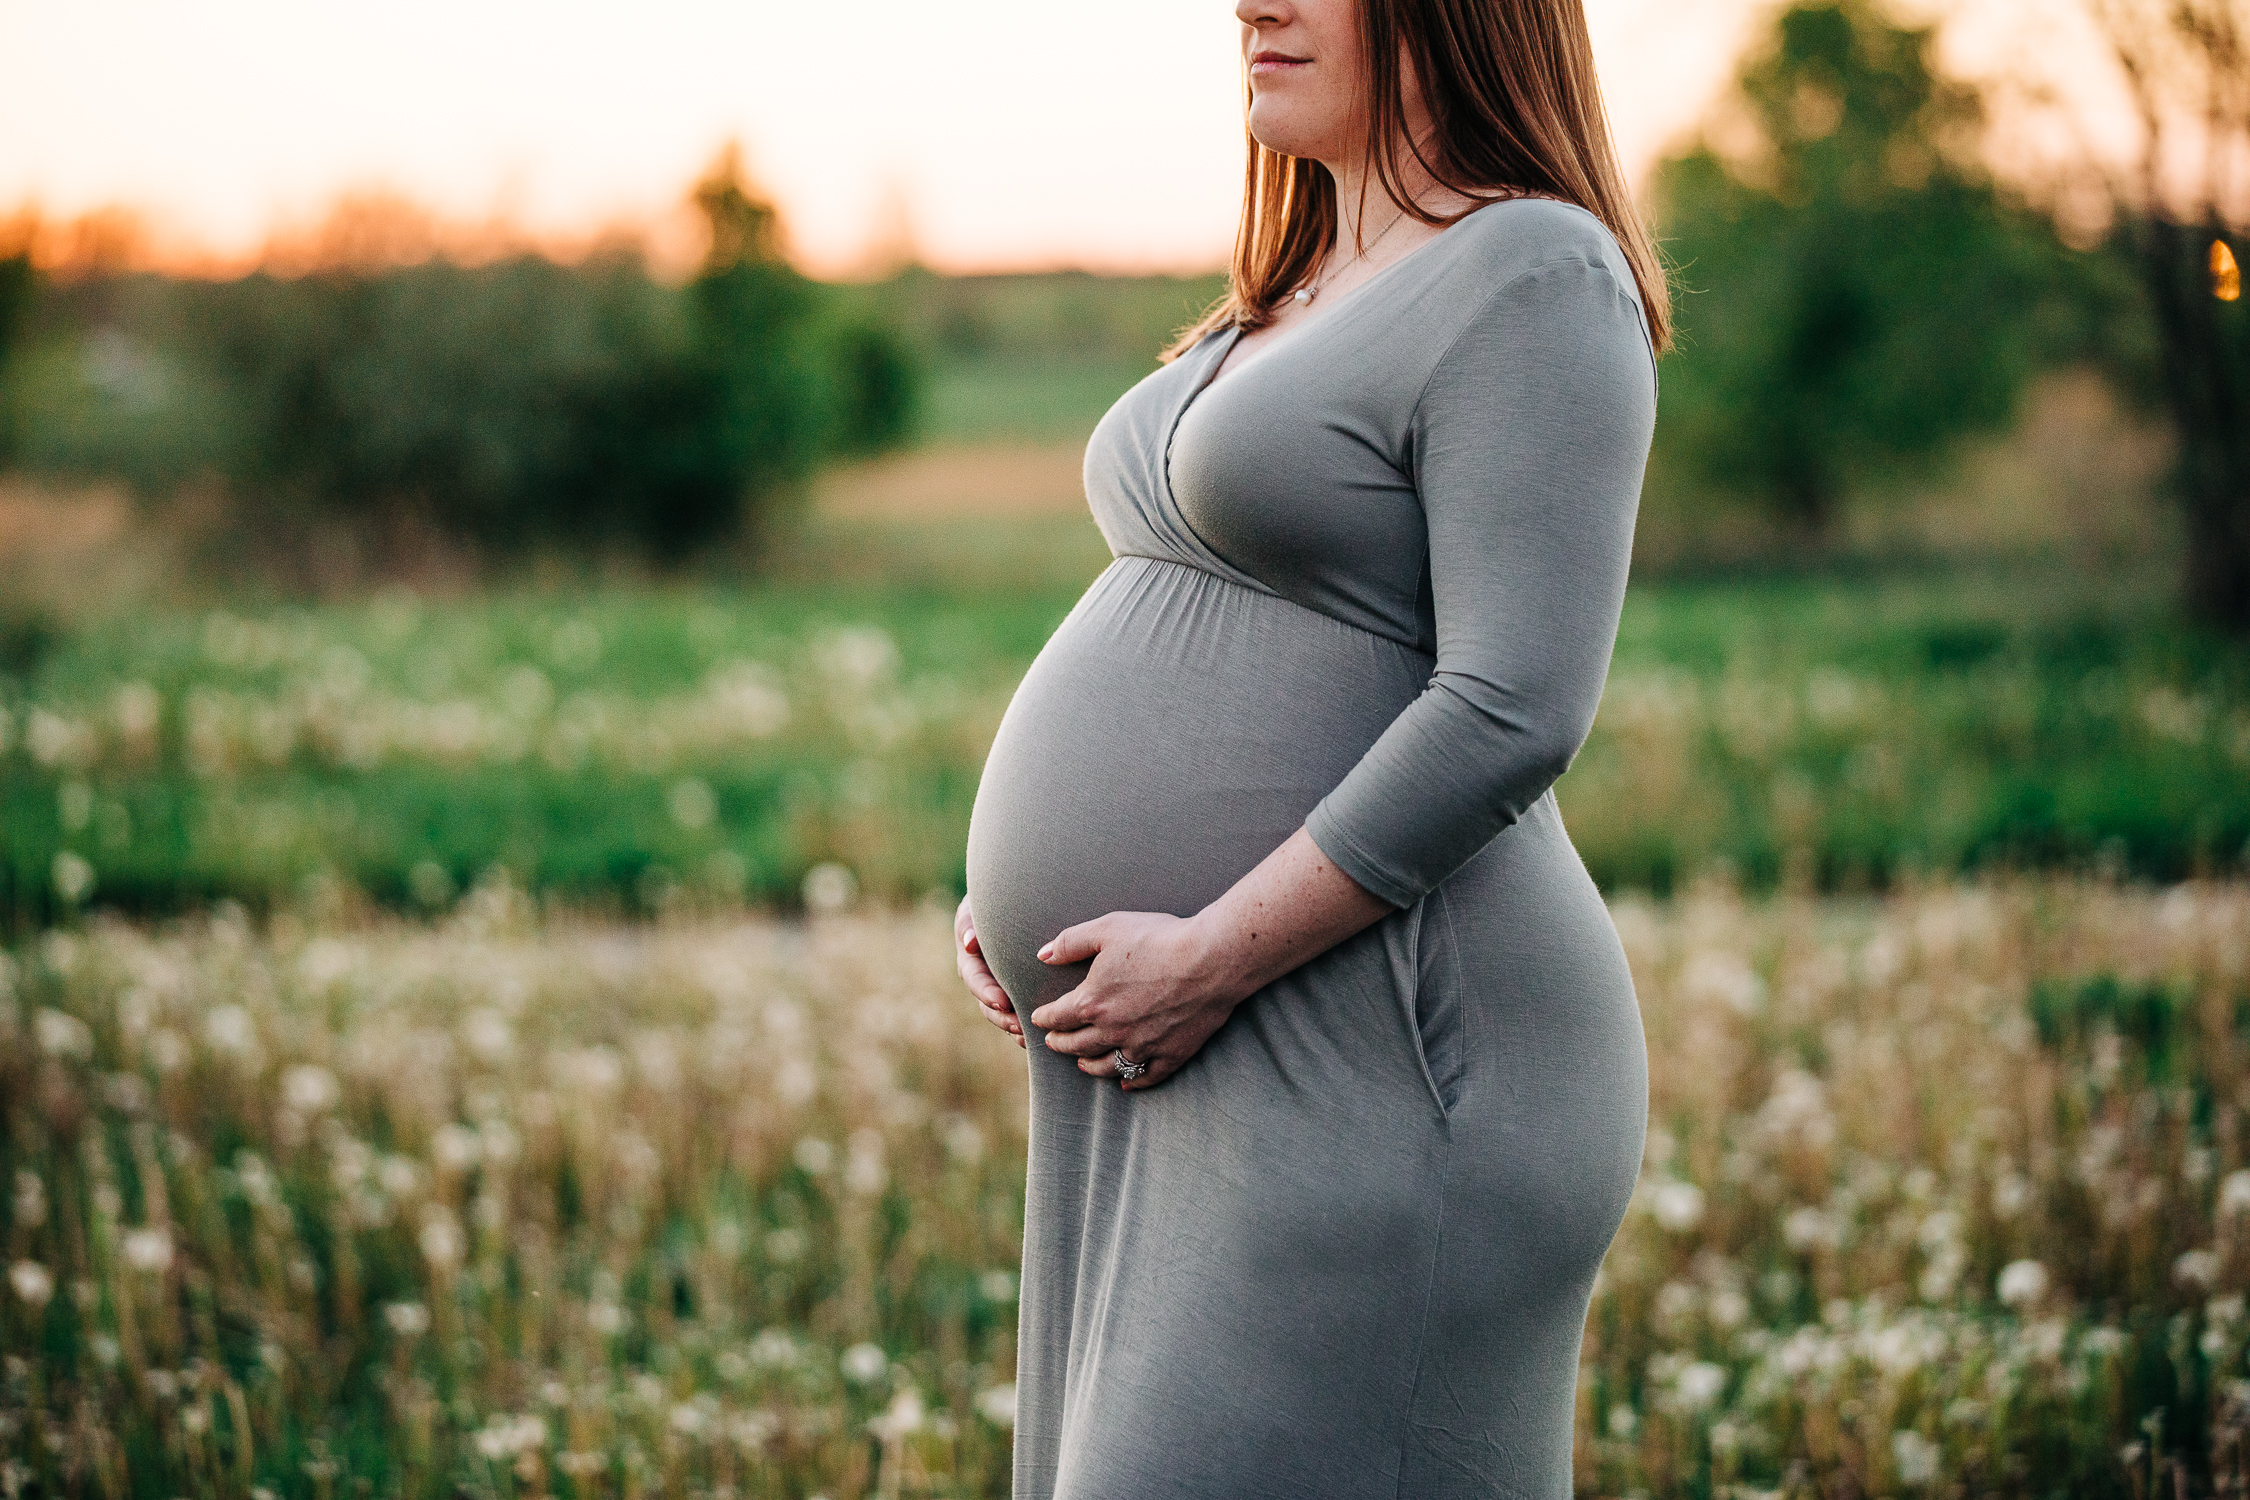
(1303,294)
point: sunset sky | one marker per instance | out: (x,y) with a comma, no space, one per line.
(1012,134)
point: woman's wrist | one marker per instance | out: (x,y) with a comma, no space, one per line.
(1220,959)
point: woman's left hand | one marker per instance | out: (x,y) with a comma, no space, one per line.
(1156,992)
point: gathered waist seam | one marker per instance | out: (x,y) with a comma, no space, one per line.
(1260,590)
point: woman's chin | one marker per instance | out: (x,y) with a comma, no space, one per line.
(1281,129)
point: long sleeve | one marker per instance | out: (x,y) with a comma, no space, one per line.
(1527,449)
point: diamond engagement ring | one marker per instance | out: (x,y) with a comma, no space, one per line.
(1127,1069)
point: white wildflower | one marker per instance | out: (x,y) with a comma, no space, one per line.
(1916,1457)
(605,1318)
(864,1171)
(406,1319)
(1678,1206)
(1698,1384)
(455,1148)
(74,877)
(488,1034)
(63,1035)
(504,1436)
(2198,1269)
(1725,978)
(814,1155)
(692,803)
(441,1240)
(309,1090)
(830,887)
(997,1286)
(229,1029)
(31,1200)
(2234,1193)
(963,1141)
(2022,1283)
(864,1364)
(772,1349)
(148,1250)
(32,1282)
(998,1405)
(901,1418)
(1809,1229)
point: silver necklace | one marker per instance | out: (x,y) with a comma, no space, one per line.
(1303,295)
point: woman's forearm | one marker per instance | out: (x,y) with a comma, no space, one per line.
(1295,906)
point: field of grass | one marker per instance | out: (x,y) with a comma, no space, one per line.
(645,746)
(1946,1193)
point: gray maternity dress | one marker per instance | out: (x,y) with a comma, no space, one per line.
(1368,583)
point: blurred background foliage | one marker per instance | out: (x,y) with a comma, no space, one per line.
(546,565)
(1858,294)
(509,406)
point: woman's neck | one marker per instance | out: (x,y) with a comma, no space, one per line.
(1365,209)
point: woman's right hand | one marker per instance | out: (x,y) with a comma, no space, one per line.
(977,975)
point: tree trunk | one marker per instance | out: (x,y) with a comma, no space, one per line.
(2205,347)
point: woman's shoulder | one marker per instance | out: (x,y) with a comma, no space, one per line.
(1507,238)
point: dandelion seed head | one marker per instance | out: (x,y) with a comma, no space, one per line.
(864,1364)
(488,1035)
(997,1404)
(32,1282)
(228,1029)
(1678,1206)
(864,1169)
(441,1241)
(2022,1283)
(2234,1193)
(60,1034)
(73,875)
(1915,1457)
(1698,1384)
(406,1319)
(147,1250)
(309,1089)
(829,888)
(2197,1269)
(30,1201)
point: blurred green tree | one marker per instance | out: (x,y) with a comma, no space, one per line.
(17,285)
(517,405)
(1859,294)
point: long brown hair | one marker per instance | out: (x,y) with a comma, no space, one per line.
(1517,111)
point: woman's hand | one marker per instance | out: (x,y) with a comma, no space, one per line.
(1160,985)
(977,975)
(1157,990)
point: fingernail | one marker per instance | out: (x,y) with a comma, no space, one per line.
(1047,953)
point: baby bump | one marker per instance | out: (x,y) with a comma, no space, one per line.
(1175,730)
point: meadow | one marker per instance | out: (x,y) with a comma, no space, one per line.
(1946,1192)
(639,746)
(500,1038)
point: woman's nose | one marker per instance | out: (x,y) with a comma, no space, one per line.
(1262,12)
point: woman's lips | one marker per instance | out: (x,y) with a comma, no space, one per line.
(1275,62)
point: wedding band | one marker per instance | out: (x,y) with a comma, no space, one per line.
(1127,1069)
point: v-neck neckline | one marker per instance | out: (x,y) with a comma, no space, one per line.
(1351,299)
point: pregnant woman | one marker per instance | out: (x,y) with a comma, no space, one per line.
(1338,1085)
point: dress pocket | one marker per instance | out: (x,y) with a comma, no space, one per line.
(1425,976)
(1437,1012)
